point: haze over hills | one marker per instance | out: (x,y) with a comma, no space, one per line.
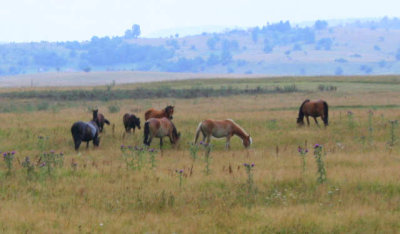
(354,47)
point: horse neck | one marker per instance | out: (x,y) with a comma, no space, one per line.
(237,130)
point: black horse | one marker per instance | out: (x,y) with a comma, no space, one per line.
(131,122)
(100,119)
(85,131)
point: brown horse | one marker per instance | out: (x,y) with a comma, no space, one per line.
(222,128)
(153,113)
(160,128)
(100,119)
(313,109)
(130,122)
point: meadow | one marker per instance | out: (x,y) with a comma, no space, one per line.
(114,190)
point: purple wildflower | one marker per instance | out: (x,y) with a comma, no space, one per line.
(299,149)
(306,150)
(317,146)
(201,142)
(180,171)
(61,153)
(245,164)
(252,165)
(122,146)
(5,154)
(152,150)
(42,164)
(52,151)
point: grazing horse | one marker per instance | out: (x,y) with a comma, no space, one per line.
(313,109)
(160,128)
(85,131)
(153,113)
(222,128)
(100,120)
(130,122)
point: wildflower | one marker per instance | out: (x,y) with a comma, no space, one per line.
(42,164)
(349,113)
(245,164)
(61,153)
(130,147)
(317,146)
(152,150)
(252,165)
(122,146)
(12,152)
(52,151)
(202,143)
(5,154)
(180,171)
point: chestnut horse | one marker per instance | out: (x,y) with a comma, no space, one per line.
(160,128)
(130,122)
(100,120)
(313,109)
(153,113)
(222,128)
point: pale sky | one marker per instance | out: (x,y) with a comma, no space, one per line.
(61,20)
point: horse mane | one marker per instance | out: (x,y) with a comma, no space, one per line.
(239,127)
(301,114)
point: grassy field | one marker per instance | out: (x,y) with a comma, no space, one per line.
(99,190)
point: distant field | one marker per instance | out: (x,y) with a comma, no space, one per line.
(98,190)
(60,79)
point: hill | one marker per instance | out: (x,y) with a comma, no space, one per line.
(360,47)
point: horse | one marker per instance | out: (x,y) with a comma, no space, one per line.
(160,128)
(100,120)
(313,109)
(130,122)
(222,128)
(85,131)
(153,113)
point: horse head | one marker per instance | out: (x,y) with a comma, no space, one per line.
(95,112)
(137,122)
(247,141)
(300,121)
(169,110)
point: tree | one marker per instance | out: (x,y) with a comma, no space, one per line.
(134,32)
(320,24)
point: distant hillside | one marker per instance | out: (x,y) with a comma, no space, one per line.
(359,47)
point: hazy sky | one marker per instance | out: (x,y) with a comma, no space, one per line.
(52,20)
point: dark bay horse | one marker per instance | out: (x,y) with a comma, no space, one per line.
(222,128)
(100,120)
(153,113)
(160,128)
(130,122)
(313,109)
(85,131)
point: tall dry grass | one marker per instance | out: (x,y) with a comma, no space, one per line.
(361,195)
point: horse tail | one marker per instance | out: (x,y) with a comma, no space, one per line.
(106,121)
(146,133)
(76,134)
(198,132)
(325,113)
(301,114)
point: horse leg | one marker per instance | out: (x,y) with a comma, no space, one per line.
(87,145)
(161,143)
(315,118)
(228,142)
(308,120)
(208,140)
